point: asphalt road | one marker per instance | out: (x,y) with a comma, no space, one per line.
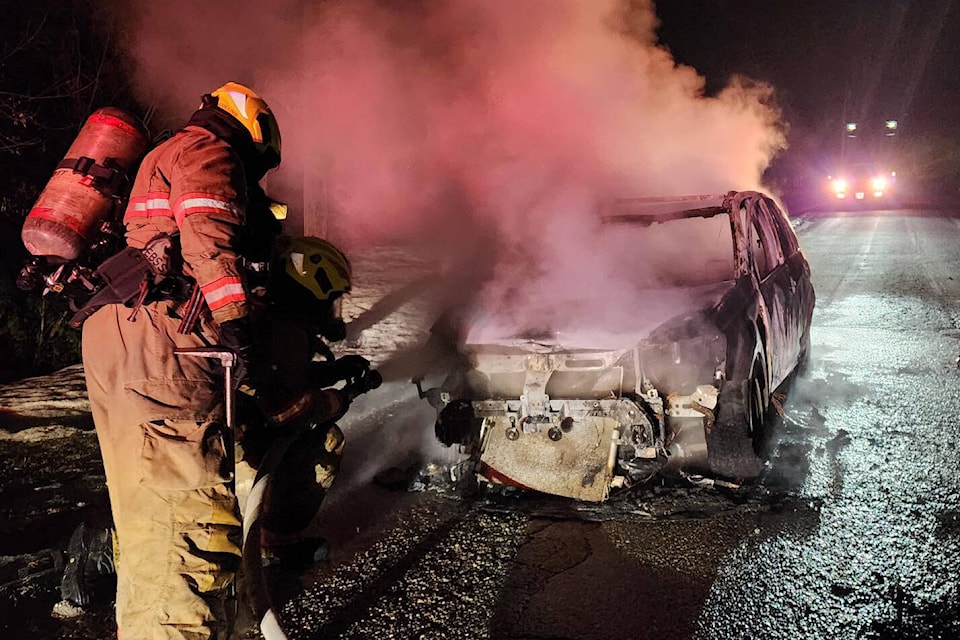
(852,533)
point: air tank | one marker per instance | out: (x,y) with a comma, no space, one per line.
(81,193)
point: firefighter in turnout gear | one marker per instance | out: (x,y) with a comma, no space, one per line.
(159,415)
(295,399)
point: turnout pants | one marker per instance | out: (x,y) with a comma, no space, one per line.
(159,421)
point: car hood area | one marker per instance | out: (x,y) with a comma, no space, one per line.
(634,319)
(523,377)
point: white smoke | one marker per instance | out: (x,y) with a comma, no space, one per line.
(486,130)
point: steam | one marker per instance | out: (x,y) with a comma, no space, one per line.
(486,132)
(481,134)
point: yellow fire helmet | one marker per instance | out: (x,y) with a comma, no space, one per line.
(319,266)
(253,113)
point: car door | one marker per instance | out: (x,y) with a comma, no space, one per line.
(776,289)
(800,304)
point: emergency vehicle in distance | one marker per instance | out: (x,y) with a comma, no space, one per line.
(866,173)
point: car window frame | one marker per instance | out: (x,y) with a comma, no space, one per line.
(789,245)
(762,225)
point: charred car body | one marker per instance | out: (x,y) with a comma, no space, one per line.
(689,391)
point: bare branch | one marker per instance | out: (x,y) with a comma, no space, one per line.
(25,41)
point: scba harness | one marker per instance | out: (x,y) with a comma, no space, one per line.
(133,277)
(74,230)
(78,246)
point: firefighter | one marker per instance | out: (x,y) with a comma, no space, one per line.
(160,416)
(295,400)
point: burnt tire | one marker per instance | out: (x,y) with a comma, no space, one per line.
(734,440)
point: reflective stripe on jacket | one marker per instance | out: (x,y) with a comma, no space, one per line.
(194,183)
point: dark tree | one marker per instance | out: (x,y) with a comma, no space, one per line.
(59,61)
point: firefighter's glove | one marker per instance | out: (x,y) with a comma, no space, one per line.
(237,336)
(351,367)
(355,371)
(327,373)
(361,384)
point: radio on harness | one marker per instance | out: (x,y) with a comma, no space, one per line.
(135,276)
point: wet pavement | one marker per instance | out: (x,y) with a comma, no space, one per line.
(872,434)
(852,533)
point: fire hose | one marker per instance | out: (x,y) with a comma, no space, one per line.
(262,605)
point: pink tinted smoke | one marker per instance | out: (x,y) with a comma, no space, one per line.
(490,129)
(488,110)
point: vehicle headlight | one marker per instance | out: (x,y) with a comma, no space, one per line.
(879,183)
(839,185)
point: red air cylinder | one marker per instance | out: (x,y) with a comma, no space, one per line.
(80,194)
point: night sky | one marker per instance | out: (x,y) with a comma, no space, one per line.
(830,60)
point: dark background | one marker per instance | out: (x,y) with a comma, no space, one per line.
(863,61)
(59,61)
(830,62)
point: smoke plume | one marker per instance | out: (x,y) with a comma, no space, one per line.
(489,131)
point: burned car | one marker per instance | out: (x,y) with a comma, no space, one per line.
(721,327)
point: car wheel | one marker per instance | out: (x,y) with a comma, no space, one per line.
(758,402)
(738,431)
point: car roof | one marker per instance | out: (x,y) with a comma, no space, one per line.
(657,209)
